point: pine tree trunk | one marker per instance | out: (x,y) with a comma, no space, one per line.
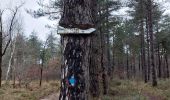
(133,64)
(42,66)
(0,71)
(108,41)
(103,55)
(150,23)
(95,65)
(164,64)
(148,49)
(1,50)
(108,55)
(76,49)
(75,66)
(139,60)
(167,66)
(127,63)
(104,63)
(41,75)
(113,55)
(78,14)
(159,62)
(143,59)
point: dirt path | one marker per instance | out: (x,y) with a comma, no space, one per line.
(54,96)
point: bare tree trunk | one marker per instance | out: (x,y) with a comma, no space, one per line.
(75,67)
(103,62)
(11,57)
(1,47)
(14,73)
(2,52)
(127,63)
(164,64)
(139,60)
(0,71)
(167,66)
(78,14)
(95,65)
(150,23)
(133,64)
(108,54)
(143,55)
(104,67)
(41,74)
(143,59)
(76,49)
(42,64)
(108,41)
(148,49)
(159,62)
(113,55)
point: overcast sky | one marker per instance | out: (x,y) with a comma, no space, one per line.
(29,22)
(38,25)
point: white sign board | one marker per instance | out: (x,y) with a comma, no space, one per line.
(62,30)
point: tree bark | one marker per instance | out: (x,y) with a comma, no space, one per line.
(41,74)
(159,62)
(108,55)
(148,49)
(150,23)
(75,63)
(164,64)
(95,65)
(127,63)
(167,65)
(1,48)
(113,55)
(108,40)
(78,14)
(104,63)
(139,60)
(76,59)
(143,56)
(11,57)
(42,64)
(133,64)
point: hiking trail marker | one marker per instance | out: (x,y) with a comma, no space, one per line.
(62,30)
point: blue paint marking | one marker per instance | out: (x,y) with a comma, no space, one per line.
(72,81)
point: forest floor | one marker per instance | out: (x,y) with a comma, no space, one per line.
(137,90)
(119,90)
(32,92)
(53,96)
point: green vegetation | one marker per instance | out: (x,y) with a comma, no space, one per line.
(32,92)
(119,90)
(137,90)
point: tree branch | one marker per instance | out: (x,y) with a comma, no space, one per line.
(11,27)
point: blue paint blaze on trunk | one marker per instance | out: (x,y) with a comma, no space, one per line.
(75,68)
(72,81)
